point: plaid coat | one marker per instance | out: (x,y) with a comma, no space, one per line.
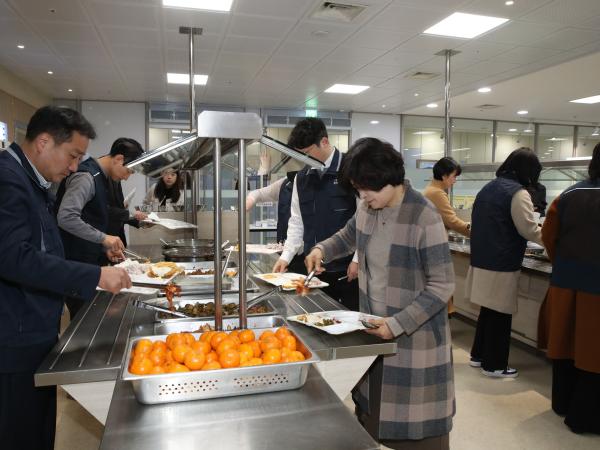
(417,388)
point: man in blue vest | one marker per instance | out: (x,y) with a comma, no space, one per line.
(320,207)
(34,275)
(83,205)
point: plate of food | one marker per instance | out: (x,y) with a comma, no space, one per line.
(335,322)
(290,281)
(160,273)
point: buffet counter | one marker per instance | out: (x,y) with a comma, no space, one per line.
(91,350)
(533,285)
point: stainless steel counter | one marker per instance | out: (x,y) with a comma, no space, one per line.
(308,418)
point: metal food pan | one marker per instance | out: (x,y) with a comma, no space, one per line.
(184,300)
(229,323)
(204,384)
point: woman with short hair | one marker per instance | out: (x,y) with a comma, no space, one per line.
(406,277)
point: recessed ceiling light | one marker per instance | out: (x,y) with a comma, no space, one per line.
(463,25)
(416,94)
(484,90)
(522,112)
(579,158)
(176,131)
(374,122)
(587,100)
(424,132)
(320,33)
(509,3)
(383,106)
(512,129)
(553,139)
(50,72)
(208,5)
(352,89)
(21,46)
(184,78)
(432,105)
(70,90)
(528,130)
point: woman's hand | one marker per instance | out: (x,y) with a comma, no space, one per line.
(313,261)
(383,331)
(352,271)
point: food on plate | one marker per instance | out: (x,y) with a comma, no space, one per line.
(198,309)
(172,290)
(201,271)
(133,267)
(317,320)
(270,276)
(181,352)
(164,269)
(278,247)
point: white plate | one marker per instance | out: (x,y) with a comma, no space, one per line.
(348,321)
(281,279)
(145,279)
(136,290)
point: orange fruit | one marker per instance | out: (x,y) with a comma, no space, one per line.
(246,336)
(201,347)
(255,362)
(246,349)
(189,338)
(180,351)
(236,340)
(256,347)
(175,339)
(282,332)
(169,357)
(157,370)
(266,334)
(269,343)
(137,358)
(141,367)
(143,346)
(289,342)
(205,337)
(226,344)
(243,358)
(157,356)
(212,356)
(229,358)
(194,361)
(216,339)
(297,356)
(159,345)
(272,356)
(234,333)
(211,365)
(285,353)
(176,367)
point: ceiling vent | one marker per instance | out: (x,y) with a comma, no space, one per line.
(337,12)
(422,76)
(488,106)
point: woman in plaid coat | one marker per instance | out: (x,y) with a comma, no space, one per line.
(405,276)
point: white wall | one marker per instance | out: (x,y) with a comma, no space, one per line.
(113,120)
(388,128)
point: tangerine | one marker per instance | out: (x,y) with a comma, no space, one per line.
(246,349)
(234,333)
(272,356)
(216,339)
(180,351)
(255,362)
(143,346)
(282,333)
(236,340)
(201,347)
(211,365)
(160,344)
(289,342)
(212,356)
(205,337)
(176,367)
(157,370)
(269,343)
(246,336)
(297,356)
(226,344)
(189,338)
(175,339)
(229,358)
(157,356)
(169,357)
(141,367)
(256,348)
(266,334)
(194,361)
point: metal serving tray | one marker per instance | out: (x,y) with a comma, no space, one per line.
(229,323)
(203,384)
(184,300)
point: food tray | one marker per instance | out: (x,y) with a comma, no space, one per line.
(181,301)
(349,321)
(229,324)
(284,279)
(203,384)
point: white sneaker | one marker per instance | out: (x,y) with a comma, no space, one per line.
(509,372)
(474,362)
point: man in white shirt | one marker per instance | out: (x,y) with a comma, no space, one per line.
(320,207)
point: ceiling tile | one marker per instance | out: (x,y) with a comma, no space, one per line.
(129,53)
(41,61)
(66,31)
(407,19)
(429,44)
(486,68)
(378,70)
(137,38)
(400,83)
(7,13)
(525,55)
(304,50)
(292,9)
(308,31)
(244,44)
(520,32)
(381,39)
(566,12)
(282,61)
(497,8)
(140,66)
(262,27)
(204,42)
(65,11)
(568,39)
(135,16)
(358,55)
(73,48)
(479,50)
(403,60)
(13,33)
(240,60)
(210,22)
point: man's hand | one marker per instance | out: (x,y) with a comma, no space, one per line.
(383,331)
(140,215)
(352,271)
(113,279)
(113,243)
(115,257)
(280,266)
(314,261)
(249,203)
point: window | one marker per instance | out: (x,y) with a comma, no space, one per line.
(511,136)
(555,142)
(422,139)
(587,139)
(472,140)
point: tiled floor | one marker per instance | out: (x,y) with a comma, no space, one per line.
(491,414)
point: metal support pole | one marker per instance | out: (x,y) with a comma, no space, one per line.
(194,200)
(192,90)
(186,204)
(218,237)
(447,126)
(242,231)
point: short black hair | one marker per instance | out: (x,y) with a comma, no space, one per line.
(307,132)
(60,123)
(594,167)
(446,166)
(371,164)
(129,148)
(523,164)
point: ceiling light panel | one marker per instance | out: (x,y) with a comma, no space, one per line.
(206,5)
(587,100)
(463,25)
(351,89)
(184,78)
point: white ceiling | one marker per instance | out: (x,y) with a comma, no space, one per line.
(265,52)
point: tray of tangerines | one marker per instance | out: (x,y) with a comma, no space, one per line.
(193,366)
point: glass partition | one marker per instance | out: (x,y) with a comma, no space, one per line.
(587,139)
(422,146)
(472,141)
(555,142)
(512,135)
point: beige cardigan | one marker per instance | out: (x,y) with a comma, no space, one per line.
(436,194)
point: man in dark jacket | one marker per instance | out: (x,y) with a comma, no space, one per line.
(83,210)
(34,276)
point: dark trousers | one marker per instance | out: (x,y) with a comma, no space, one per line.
(27,413)
(576,395)
(341,290)
(492,339)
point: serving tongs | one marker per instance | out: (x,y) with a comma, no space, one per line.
(136,255)
(310,276)
(261,297)
(140,304)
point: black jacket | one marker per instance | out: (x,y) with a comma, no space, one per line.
(118,215)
